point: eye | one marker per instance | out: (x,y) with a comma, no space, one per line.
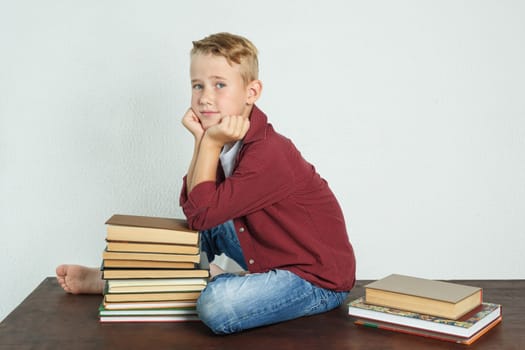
(220,85)
(197,86)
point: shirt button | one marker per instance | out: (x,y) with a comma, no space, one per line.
(251,261)
(241,229)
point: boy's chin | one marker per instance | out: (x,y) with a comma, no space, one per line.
(206,127)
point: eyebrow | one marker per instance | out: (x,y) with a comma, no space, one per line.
(217,77)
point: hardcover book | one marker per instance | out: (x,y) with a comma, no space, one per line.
(194,258)
(114,246)
(443,299)
(155,318)
(102,311)
(141,305)
(156,282)
(131,228)
(141,264)
(134,274)
(139,297)
(161,288)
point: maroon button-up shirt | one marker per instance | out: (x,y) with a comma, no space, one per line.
(285,215)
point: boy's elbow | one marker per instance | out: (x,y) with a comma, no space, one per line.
(201,219)
(197,222)
(194,217)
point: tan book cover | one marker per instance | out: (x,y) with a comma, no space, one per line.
(132,228)
(149,305)
(135,297)
(114,246)
(156,289)
(141,264)
(134,274)
(194,258)
(157,282)
(445,299)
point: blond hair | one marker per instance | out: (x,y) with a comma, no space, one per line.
(235,48)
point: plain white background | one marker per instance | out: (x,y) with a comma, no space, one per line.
(413,111)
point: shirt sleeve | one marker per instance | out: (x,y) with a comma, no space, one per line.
(183,192)
(263,176)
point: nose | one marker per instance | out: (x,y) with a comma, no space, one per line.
(206,97)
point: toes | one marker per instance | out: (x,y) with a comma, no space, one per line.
(61,270)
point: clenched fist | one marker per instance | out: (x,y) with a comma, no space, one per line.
(229,129)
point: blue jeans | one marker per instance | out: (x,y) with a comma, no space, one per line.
(231,303)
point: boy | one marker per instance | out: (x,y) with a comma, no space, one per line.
(254,198)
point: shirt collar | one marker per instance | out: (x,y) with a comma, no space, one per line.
(258,121)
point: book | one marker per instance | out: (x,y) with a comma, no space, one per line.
(431,297)
(132,228)
(465,327)
(138,264)
(156,288)
(114,246)
(133,297)
(103,311)
(140,305)
(155,285)
(194,258)
(156,282)
(425,333)
(143,273)
(172,318)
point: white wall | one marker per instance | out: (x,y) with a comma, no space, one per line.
(412,110)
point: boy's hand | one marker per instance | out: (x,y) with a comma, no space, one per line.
(229,129)
(192,123)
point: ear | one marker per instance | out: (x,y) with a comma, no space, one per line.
(254,91)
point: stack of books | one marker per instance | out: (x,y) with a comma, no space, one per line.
(151,267)
(441,310)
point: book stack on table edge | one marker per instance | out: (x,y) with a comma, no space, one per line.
(151,268)
(434,309)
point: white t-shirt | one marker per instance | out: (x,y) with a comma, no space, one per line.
(228,156)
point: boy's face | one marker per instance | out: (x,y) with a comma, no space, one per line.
(218,89)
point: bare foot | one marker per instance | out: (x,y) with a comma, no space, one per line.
(77,279)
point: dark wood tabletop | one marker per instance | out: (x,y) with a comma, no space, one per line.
(51,319)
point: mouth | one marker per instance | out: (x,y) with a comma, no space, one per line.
(208,113)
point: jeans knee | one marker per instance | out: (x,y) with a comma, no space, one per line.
(214,311)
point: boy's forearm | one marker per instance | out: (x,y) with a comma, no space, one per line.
(189,177)
(205,162)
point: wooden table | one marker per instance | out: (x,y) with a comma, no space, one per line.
(51,319)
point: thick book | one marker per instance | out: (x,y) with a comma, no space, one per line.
(140,264)
(156,282)
(114,246)
(135,274)
(141,305)
(139,297)
(155,285)
(131,228)
(103,311)
(194,258)
(443,299)
(425,333)
(171,318)
(155,288)
(465,327)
